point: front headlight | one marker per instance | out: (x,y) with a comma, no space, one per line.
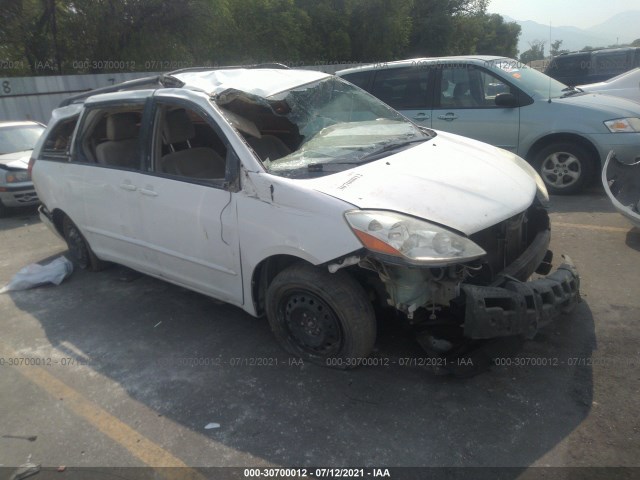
(623,125)
(416,241)
(16,176)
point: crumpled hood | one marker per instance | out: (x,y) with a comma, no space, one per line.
(454,181)
(16,160)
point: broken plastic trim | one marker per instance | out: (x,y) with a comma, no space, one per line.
(520,308)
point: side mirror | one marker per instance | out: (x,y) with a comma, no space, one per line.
(508,100)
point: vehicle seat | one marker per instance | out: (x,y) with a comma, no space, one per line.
(461,95)
(268,147)
(199,162)
(121,147)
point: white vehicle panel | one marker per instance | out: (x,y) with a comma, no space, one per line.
(444,188)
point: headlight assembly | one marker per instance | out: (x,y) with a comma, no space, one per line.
(623,125)
(415,241)
(16,176)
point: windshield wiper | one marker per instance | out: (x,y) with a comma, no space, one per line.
(382,152)
(390,147)
(571,91)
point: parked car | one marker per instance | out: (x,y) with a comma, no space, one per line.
(626,85)
(295,195)
(621,183)
(563,132)
(576,68)
(17,140)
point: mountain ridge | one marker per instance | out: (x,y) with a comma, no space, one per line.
(620,28)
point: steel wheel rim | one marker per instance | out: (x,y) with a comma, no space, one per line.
(561,169)
(311,323)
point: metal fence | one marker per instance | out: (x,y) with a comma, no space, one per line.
(33,98)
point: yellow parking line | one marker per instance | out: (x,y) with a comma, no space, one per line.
(590,227)
(137,444)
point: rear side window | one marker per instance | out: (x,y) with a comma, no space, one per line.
(359,79)
(613,63)
(110,136)
(58,142)
(569,66)
(402,88)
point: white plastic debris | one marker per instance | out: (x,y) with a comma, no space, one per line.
(35,274)
(211,425)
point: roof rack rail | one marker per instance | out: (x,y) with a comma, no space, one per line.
(231,67)
(158,81)
(165,80)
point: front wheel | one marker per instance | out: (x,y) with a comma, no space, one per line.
(325,318)
(566,168)
(79,250)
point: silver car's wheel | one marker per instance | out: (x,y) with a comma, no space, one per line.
(565,168)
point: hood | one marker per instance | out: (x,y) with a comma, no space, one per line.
(611,107)
(450,180)
(16,159)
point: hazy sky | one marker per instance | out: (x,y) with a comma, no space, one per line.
(578,13)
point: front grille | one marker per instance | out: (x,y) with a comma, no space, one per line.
(507,240)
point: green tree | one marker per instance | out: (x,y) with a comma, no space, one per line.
(484,34)
(379,29)
(535,52)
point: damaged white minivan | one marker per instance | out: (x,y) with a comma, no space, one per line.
(296,195)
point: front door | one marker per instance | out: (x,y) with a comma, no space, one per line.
(465,105)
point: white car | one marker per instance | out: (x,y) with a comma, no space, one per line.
(17,140)
(625,85)
(297,195)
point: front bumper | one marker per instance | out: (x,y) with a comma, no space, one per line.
(18,195)
(621,182)
(520,308)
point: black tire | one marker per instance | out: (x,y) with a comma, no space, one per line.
(3,210)
(79,250)
(566,168)
(339,325)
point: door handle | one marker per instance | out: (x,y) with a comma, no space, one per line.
(128,186)
(421,117)
(448,117)
(147,192)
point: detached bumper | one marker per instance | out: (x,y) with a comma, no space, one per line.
(520,308)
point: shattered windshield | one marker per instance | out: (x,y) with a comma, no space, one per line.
(319,128)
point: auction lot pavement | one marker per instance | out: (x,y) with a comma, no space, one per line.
(132,371)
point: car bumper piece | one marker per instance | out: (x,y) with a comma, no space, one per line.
(520,308)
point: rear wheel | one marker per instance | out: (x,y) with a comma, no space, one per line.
(79,250)
(3,210)
(566,168)
(322,317)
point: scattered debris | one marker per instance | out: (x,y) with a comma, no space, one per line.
(211,425)
(35,274)
(25,470)
(157,324)
(31,438)
(61,468)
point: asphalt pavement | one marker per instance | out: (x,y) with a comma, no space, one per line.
(117,369)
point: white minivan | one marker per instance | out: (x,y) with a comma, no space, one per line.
(296,195)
